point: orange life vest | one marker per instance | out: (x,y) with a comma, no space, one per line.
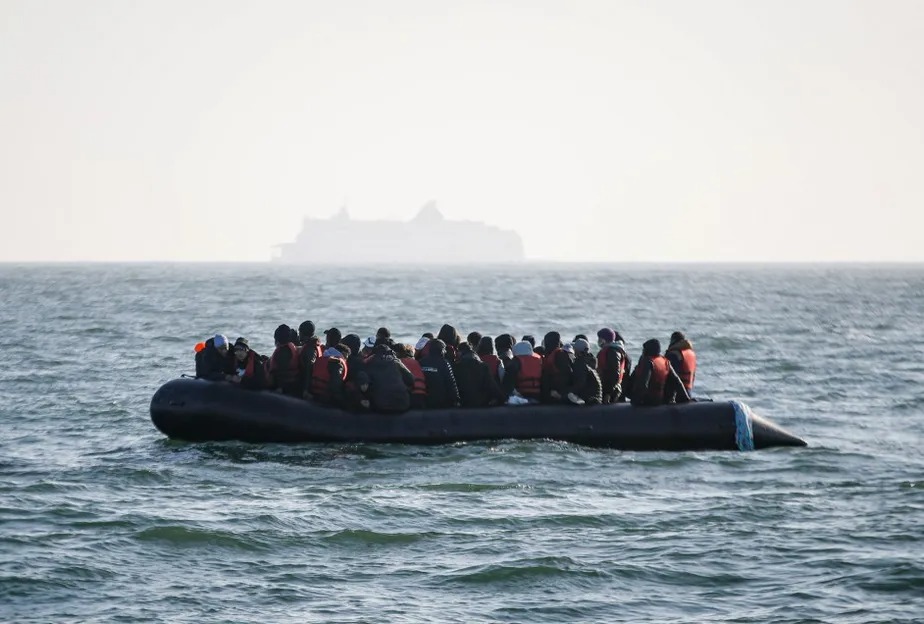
(320,376)
(687,370)
(548,361)
(493,363)
(660,369)
(603,358)
(420,380)
(318,349)
(288,376)
(529,381)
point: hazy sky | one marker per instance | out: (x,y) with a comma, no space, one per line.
(607,130)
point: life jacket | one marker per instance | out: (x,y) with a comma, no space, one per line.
(529,381)
(320,376)
(420,380)
(660,370)
(493,363)
(548,361)
(687,370)
(288,376)
(423,352)
(317,347)
(603,359)
(249,363)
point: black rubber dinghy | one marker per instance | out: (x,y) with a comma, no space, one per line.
(197,411)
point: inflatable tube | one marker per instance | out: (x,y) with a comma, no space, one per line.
(197,410)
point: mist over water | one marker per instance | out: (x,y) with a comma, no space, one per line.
(103,519)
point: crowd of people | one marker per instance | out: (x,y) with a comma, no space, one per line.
(445,371)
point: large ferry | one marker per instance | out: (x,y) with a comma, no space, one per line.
(428,237)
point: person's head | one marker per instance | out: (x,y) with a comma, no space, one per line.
(305,331)
(404,350)
(353,342)
(530,339)
(522,348)
(605,336)
(486,346)
(428,335)
(651,347)
(381,349)
(221,343)
(382,332)
(473,339)
(241,348)
(282,335)
(449,335)
(551,341)
(540,350)
(677,336)
(568,348)
(465,349)
(421,343)
(581,346)
(579,337)
(333,336)
(503,343)
(385,340)
(344,349)
(437,348)
(293,335)
(368,345)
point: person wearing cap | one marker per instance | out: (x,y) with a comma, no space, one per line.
(477,386)
(524,373)
(405,353)
(422,348)
(250,372)
(682,357)
(328,376)
(442,390)
(368,347)
(486,353)
(556,368)
(390,382)
(213,362)
(613,365)
(332,337)
(282,370)
(585,382)
(655,382)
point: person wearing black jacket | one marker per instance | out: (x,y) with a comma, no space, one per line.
(613,366)
(557,362)
(250,372)
(585,382)
(503,344)
(390,382)
(442,390)
(357,381)
(477,386)
(452,339)
(214,362)
(654,381)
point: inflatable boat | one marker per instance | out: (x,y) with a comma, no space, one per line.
(195,410)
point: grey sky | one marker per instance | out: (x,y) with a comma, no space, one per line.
(712,130)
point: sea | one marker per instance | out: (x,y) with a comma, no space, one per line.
(104,519)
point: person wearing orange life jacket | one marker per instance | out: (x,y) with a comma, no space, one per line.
(557,364)
(613,366)
(655,382)
(487,355)
(282,369)
(250,372)
(682,357)
(328,375)
(405,353)
(524,373)
(309,350)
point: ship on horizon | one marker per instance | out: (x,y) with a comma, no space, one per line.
(428,237)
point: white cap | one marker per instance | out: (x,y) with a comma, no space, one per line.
(421,343)
(220,341)
(568,348)
(369,343)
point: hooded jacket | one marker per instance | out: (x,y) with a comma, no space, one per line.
(477,386)
(442,390)
(449,335)
(585,382)
(390,381)
(211,364)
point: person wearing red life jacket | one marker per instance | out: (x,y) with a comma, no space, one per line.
(557,364)
(250,372)
(328,375)
(613,366)
(282,369)
(405,353)
(655,382)
(682,357)
(523,374)
(487,355)
(422,348)
(309,350)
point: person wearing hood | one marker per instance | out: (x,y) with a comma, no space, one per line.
(213,362)
(503,345)
(390,382)
(249,370)
(309,350)
(422,348)
(477,386)
(655,382)
(357,382)
(405,353)
(473,339)
(442,390)
(682,357)
(486,353)
(556,368)
(524,373)
(585,382)
(329,374)
(282,369)
(613,365)
(452,339)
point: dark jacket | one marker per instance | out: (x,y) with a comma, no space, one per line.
(477,386)
(390,382)
(282,370)
(674,392)
(251,371)
(615,371)
(307,356)
(211,364)
(356,378)
(556,375)
(442,390)
(585,382)
(453,339)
